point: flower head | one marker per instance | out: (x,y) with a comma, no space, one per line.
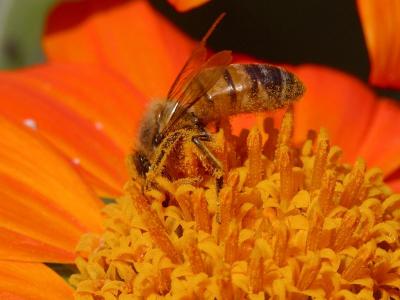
(294,222)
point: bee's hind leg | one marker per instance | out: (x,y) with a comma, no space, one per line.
(218,170)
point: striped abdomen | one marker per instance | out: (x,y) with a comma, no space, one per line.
(246,88)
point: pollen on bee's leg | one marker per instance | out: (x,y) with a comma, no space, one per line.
(154,225)
(219,148)
(353,185)
(254,146)
(190,161)
(320,159)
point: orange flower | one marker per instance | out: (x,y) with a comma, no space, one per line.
(381,24)
(67,126)
(184,5)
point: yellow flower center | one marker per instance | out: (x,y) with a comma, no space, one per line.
(294,223)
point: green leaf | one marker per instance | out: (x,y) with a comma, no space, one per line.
(21,27)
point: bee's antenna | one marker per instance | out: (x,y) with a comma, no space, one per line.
(212,28)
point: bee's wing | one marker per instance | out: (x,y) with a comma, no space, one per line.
(180,93)
(192,83)
(189,70)
(193,64)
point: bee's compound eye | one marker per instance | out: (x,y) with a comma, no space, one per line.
(157,139)
(141,162)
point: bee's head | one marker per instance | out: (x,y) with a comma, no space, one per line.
(141,163)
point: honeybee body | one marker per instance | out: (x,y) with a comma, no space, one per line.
(246,88)
(240,88)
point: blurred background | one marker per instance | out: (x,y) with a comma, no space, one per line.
(283,31)
(21,25)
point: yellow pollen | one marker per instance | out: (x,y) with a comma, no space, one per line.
(294,223)
(320,159)
(255,157)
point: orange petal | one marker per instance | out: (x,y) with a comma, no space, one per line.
(31,281)
(336,101)
(381,24)
(108,100)
(43,97)
(395,185)
(184,5)
(45,205)
(129,37)
(381,144)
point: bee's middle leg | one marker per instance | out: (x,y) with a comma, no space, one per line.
(218,170)
(216,164)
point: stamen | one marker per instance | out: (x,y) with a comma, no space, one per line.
(353,185)
(286,176)
(220,146)
(286,131)
(326,193)
(232,244)
(230,153)
(280,243)
(316,222)
(256,270)
(164,281)
(153,224)
(226,211)
(254,155)
(309,272)
(194,256)
(182,196)
(345,231)
(320,159)
(200,211)
(227,292)
(357,268)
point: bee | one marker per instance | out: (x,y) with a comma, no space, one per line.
(204,91)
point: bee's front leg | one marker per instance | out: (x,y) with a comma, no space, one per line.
(160,156)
